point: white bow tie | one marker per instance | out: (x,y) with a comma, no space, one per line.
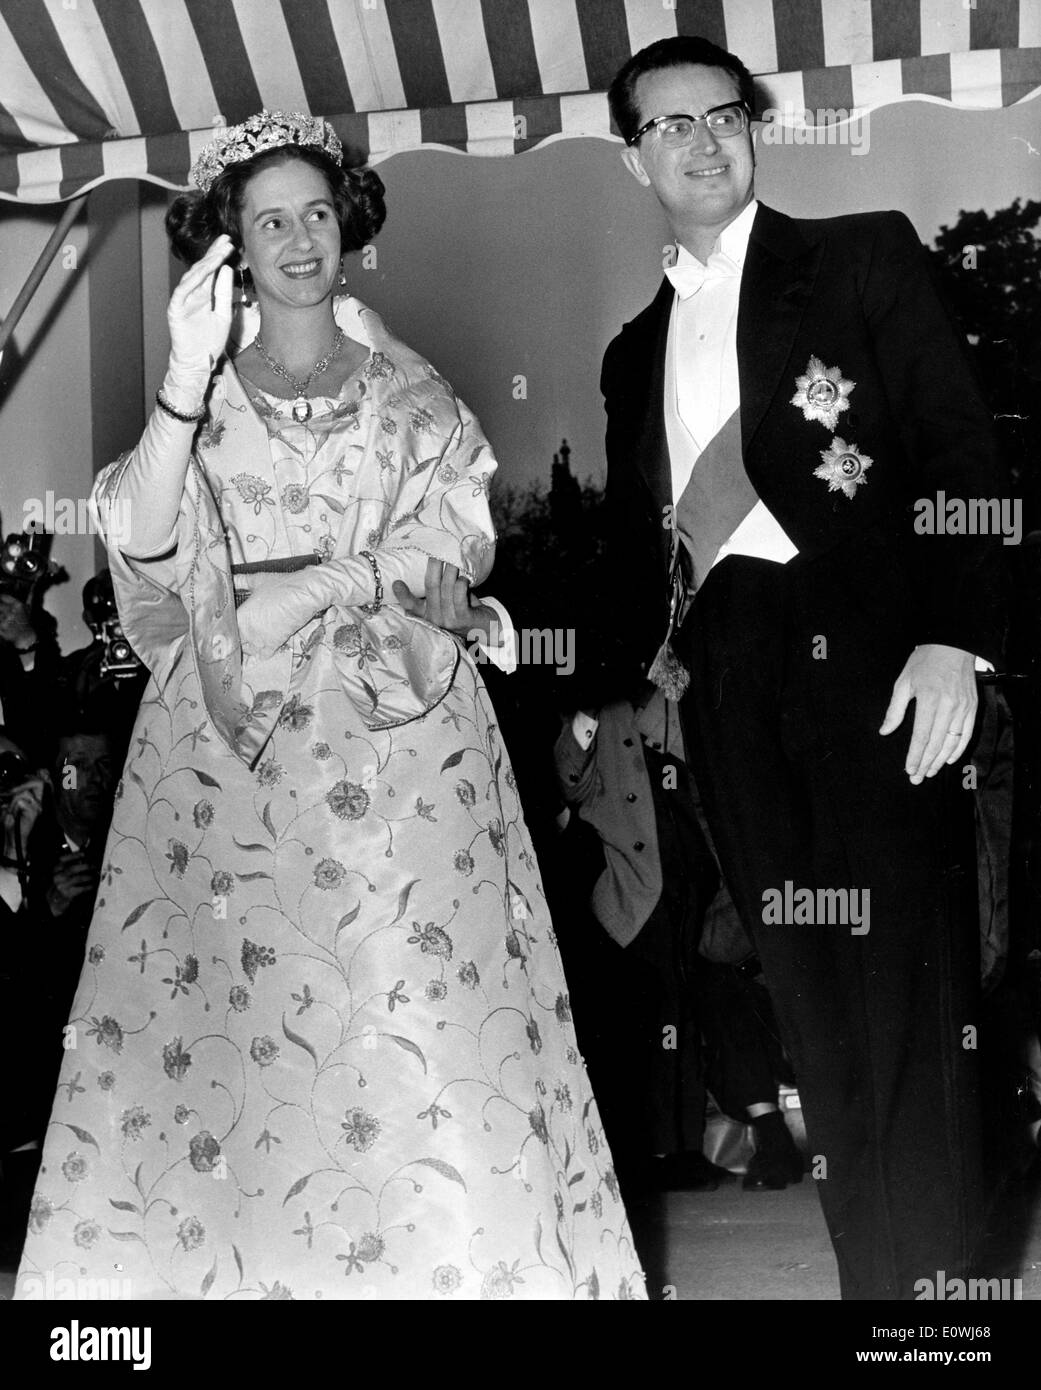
(688,276)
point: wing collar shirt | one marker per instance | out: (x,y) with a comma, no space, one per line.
(701,377)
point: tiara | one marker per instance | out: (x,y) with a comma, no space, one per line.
(269,130)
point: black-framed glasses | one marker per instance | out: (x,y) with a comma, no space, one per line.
(678,130)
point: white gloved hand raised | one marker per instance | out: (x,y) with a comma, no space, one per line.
(199,316)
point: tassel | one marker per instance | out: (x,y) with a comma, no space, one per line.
(669,673)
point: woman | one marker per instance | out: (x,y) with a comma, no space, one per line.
(324,1044)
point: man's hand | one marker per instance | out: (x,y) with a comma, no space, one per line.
(21,813)
(74,875)
(15,624)
(941,681)
(447,603)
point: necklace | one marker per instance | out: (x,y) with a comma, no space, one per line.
(301,406)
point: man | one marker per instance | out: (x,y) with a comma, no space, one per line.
(773,415)
(645,1053)
(22,983)
(29,665)
(664,1020)
(105,675)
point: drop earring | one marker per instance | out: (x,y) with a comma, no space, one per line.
(343,277)
(246,298)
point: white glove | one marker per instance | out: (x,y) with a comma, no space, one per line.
(280,605)
(199,319)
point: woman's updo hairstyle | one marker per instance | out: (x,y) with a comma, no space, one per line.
(195,219)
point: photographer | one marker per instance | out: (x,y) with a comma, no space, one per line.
(29,655)
(23,792)
(29,661)
(69,841)
(106,669)
(52,866)
(21,801)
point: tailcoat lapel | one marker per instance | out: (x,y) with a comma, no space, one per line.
(776,285)
(647,363)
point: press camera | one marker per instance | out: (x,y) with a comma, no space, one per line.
(119,659)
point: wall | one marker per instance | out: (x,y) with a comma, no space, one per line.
(45,395)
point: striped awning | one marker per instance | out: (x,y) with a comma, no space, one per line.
(101,89)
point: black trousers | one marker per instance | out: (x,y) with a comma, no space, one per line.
(743,1057)
(799,787)
(661,970)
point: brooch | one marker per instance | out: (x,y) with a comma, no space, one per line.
(823,393)
(843,468)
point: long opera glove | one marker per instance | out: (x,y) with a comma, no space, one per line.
(282,605)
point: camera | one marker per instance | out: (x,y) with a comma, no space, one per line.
(14,769)
(118,658)
(24,564)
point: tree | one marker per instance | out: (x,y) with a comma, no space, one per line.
(989,265)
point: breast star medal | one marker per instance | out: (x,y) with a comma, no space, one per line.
(843,467)
(823,393)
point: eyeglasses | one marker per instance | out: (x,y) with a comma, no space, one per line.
(676,131)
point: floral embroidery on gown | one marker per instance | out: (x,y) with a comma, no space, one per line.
(323,1045)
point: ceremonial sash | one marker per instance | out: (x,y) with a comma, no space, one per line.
(717,498)
(714,503)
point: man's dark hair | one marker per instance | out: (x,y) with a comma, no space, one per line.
(672,53)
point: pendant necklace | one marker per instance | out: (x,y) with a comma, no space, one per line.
(301,406)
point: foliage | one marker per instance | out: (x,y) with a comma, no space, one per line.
(989,265)
(548,551)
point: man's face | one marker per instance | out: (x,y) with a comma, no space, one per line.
(709,181)
(87,776)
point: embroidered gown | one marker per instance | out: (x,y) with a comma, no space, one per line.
(322,1046)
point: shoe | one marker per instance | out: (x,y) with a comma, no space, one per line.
(684,1172)
(773,1170)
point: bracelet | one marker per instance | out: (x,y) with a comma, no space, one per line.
(377,603)
(165,406)
(24,651)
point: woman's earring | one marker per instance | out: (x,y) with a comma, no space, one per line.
(246,298)
(343,277)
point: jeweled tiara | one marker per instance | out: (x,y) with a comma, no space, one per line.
(268,130)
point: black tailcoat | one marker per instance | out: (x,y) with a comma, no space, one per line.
(792,668)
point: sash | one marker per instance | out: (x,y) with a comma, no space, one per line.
(716,500)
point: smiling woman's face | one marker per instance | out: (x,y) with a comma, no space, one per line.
(290,235)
